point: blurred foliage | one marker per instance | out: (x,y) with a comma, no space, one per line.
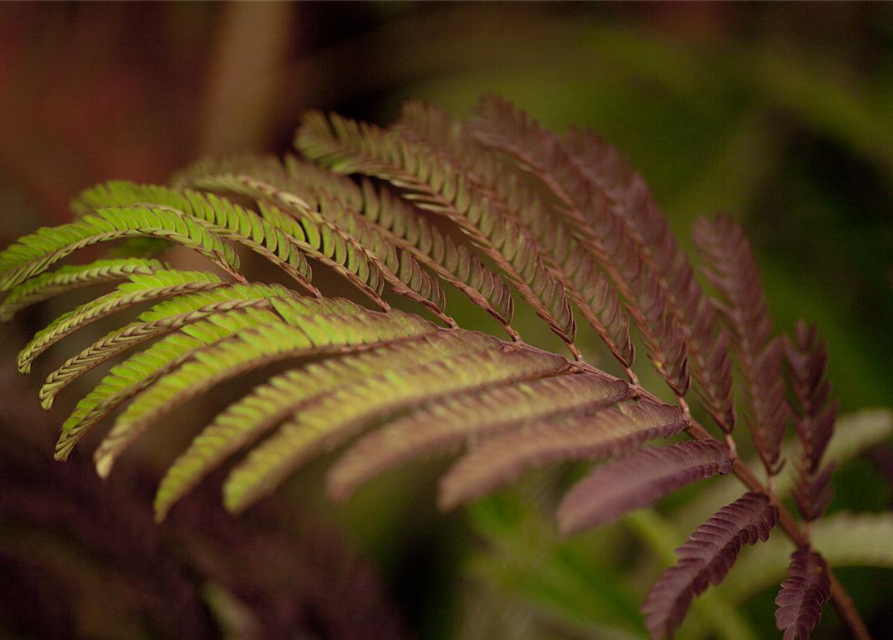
(775,113)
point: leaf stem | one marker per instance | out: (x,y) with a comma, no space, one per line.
(843,603)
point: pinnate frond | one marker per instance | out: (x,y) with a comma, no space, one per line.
(160,320)
(802,595)
(705,559)
(732,270)
(409,229)
(266,234)
(443,425)
(336,417)
(813,417)
(33,254)
(591,218)
(568,260)
(140,289)
(638,481)
(120,193)
(707,344)
(282,396)
(401,210)
(70,278)
(587,435)
(138,372)
(301,334)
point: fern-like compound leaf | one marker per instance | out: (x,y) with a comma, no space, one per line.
(161,319)
(556,245)
(732,270)
(303,334)
(126,379)
(408,229)
(814,419)
(283,396)
(266,235)
(338,416)
(802,595)
(444,425)
(140,289)
(592,219)
(71,278)
(706,344)
(589,435)
(431,200)
(35,253)
(436,184)
(333,234)
(141,370)
(638,481)
(705,559)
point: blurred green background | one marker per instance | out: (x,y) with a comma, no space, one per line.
(779,114)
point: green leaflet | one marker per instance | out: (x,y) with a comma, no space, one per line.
(161,319)
(139,289)
(398,266)
(448,423)
(119,193)
(35,253)
(337,416)
(281,397)
(268,235)
(70,278)
(304,335)
(316,235)
(126,379)
(453,262)
(405,228)
(365,242)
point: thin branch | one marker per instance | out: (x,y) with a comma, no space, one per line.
(843,603)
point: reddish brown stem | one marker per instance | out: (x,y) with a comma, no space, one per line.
(843,603)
